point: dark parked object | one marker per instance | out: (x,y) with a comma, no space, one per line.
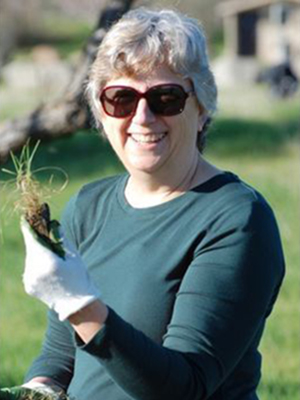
(281,79)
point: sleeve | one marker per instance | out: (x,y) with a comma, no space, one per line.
(56,360)
(224,298)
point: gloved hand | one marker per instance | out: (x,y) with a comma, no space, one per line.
(15,393)
(60,281)
(23,393)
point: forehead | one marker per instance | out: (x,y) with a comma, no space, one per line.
(142,82)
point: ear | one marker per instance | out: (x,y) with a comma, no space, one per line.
(202,118)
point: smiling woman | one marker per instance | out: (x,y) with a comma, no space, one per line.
(138,49)
(171,269)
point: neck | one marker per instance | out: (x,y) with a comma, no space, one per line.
(146,189)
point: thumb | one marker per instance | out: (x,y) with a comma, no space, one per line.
(57,238)
(35,241)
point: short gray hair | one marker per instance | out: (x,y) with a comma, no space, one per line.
(143,39)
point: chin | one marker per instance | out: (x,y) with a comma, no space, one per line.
(147,166)
(147,169)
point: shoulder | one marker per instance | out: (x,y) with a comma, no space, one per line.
(227,203)
(97,188)
(239,225)
(84,208)
(96,192)
(232,196)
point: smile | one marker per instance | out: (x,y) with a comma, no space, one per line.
(149,138)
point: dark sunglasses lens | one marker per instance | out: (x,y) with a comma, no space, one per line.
(167,100)
(119,102)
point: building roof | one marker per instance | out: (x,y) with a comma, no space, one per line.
(237,6)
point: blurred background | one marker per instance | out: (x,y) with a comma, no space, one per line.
(254,47)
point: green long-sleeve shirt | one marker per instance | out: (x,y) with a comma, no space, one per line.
(189,284)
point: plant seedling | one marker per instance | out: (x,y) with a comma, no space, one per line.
(30,201)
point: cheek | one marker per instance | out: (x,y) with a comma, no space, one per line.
(188,126)
(185,130)
(114,130)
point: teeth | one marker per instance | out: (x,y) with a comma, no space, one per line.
(152,138)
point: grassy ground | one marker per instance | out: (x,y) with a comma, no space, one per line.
(256,137)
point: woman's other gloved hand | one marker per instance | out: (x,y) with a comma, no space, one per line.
(40,392)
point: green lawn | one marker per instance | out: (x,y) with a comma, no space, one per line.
(256,137)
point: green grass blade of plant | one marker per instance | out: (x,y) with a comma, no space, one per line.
(16,162)
(24,152)
(7,171)
(30,157)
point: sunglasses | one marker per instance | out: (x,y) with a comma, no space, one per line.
(165,100)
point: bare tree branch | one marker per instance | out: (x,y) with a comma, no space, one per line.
(70,113)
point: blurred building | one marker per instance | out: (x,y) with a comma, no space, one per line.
(258,34)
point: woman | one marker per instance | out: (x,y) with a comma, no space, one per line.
(171,269)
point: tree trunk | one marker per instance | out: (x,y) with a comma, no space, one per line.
(70,113)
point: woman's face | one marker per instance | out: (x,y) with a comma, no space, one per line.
(154,144)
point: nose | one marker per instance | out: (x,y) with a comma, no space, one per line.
(143,114)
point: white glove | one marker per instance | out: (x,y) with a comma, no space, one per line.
(62,283)
(55,391)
